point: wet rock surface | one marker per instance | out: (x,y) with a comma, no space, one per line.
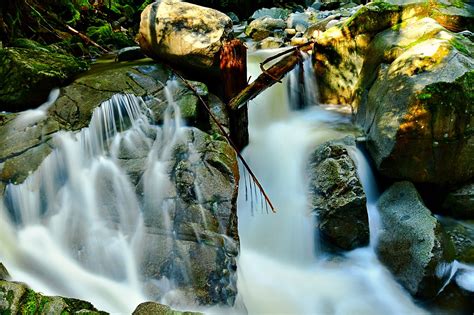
(337,197)
(411,242)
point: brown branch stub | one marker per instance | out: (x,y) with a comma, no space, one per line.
(233,79)
(271,75)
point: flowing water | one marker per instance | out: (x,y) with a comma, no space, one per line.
(280,270)
(75,227)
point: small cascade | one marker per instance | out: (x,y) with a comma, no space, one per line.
(76,226)
(279,272)
(302,87)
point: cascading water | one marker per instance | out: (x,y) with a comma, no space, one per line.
(75,227)
(279,270)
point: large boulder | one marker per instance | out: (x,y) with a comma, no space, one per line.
(411,241)
(459,203)
(17,298)
(337,197)
(341,51)
(192,235)
(417,109)
(184,34)
(29,74)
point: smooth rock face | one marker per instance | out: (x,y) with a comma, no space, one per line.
(411,242)
(419,113)
(337,197)
(29,74)
(169,30)
(460,203)
(17,298)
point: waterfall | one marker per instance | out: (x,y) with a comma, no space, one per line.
(279,272)
(75,226)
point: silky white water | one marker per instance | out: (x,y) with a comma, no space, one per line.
(75,225)
(279,269)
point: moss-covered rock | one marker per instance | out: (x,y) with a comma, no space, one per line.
(30,73)
(337,197)
(341,51)
(411,242)
(418,113)
(17,298)
(152,308)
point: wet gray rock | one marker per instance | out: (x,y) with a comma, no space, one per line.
(411,242)
(460,202)
(298,21)
(193,236)
(337,197)
(264,27)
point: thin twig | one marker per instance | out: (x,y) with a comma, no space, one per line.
(229,140)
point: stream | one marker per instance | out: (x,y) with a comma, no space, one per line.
(280,269)
(80,195)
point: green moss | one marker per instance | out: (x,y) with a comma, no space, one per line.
(459,46)
(29,303)
(424,96)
